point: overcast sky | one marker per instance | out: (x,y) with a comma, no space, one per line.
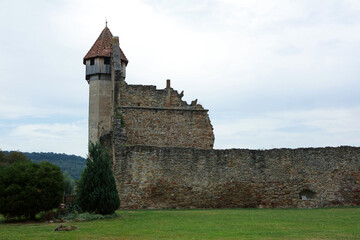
(273,74)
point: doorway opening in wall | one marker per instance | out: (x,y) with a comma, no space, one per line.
(307,194)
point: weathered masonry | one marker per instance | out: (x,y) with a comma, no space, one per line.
(149,116)
(157,177)
(163,154)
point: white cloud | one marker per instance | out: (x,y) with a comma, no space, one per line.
(269,66)
(306,128)
(258,14)
(61,138)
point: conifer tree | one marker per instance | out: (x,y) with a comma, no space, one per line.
(97,188)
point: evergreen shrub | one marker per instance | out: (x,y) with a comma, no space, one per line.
(97,189)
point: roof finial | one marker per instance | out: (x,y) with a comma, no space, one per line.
(105,22)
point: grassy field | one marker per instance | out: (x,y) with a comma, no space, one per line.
(332,223)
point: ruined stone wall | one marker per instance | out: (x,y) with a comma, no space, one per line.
(161,118)
(149,96)
(155,177)
(167,127)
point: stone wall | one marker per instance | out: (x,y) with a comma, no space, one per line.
(167,127)
(156,177)
(149,96)
(159,117)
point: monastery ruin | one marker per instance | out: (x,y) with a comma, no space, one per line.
(163,156)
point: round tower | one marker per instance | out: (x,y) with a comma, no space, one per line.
(98,74)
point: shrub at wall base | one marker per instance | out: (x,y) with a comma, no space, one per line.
(97,189)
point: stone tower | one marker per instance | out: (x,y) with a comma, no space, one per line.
(98,63)
(126,114)
(161,148)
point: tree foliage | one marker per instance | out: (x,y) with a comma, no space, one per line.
(69,183)
(2,159)
(72,164)
(12,157)
(28,188)
(97,189)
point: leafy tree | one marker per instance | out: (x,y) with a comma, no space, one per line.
(50,182)
(69,183)
(74,165)
(16,156)
(97,189)
(2,159)
(28,188)
(11,157)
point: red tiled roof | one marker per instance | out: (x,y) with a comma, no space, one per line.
(102,47)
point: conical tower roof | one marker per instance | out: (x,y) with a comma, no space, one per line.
(102,47)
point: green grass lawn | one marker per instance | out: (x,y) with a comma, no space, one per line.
(332,223)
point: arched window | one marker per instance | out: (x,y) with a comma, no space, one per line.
(306,194)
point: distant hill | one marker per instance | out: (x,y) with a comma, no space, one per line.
(70,163)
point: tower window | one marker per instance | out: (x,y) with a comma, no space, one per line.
(92,61)
(107,60)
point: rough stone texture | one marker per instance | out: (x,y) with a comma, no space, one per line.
(149,96)
(100,109)
(152,117)
(158,177)
(155,117)
(183,171)
(167,127)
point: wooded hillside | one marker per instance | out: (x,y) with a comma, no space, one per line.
(71,163)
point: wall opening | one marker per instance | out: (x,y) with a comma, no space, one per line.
(306,194)
(107,61)
(92,61)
